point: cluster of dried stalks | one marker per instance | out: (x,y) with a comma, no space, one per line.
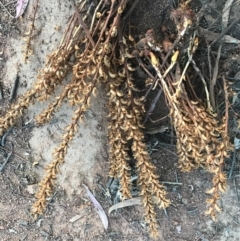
(102,56)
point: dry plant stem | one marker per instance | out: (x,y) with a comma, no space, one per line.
(73,38)
(152,191)
(216,152)
(191,49)
(118,157)
(28,45)
(68,43)
(172,48)
(83,24)
(94,15)
(47,184)
(107,21)
(209,63)
(165,87)
(134,4)
(225,13)
(152,107)
(214,79)
(69,26)
(204,84)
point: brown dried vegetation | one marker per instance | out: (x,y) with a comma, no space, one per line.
(103,56)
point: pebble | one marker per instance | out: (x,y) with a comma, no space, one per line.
(32,189)
(179,229)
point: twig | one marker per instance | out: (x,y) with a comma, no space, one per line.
(152,107)
(1,93)
(14,154)
(134,4)
(214,78)
(204,83)
(14,88)
(6,9)
(233,163)
(5,135)
(209,63)
(94,15)
(176,176)
(211,36)
(173,183)
(226,104)
(225,31)
(2,166)
(235,187)
(154,121)
(83,25)
(140,63)
(225,13)
(172,47)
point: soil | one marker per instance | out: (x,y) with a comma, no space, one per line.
(86,161)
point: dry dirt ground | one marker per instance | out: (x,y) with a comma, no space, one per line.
(86,161)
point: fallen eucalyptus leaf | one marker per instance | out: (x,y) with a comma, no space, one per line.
(126,203)
(20,7)
(98,207)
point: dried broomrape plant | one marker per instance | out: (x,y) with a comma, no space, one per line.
(103,56)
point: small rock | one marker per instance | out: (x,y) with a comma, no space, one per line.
(32,189)
(179,229)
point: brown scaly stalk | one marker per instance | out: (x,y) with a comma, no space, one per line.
(207,151)
(215,163)
(118,156)
(198,134)
(152,191)
(89,67)
(47,184)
